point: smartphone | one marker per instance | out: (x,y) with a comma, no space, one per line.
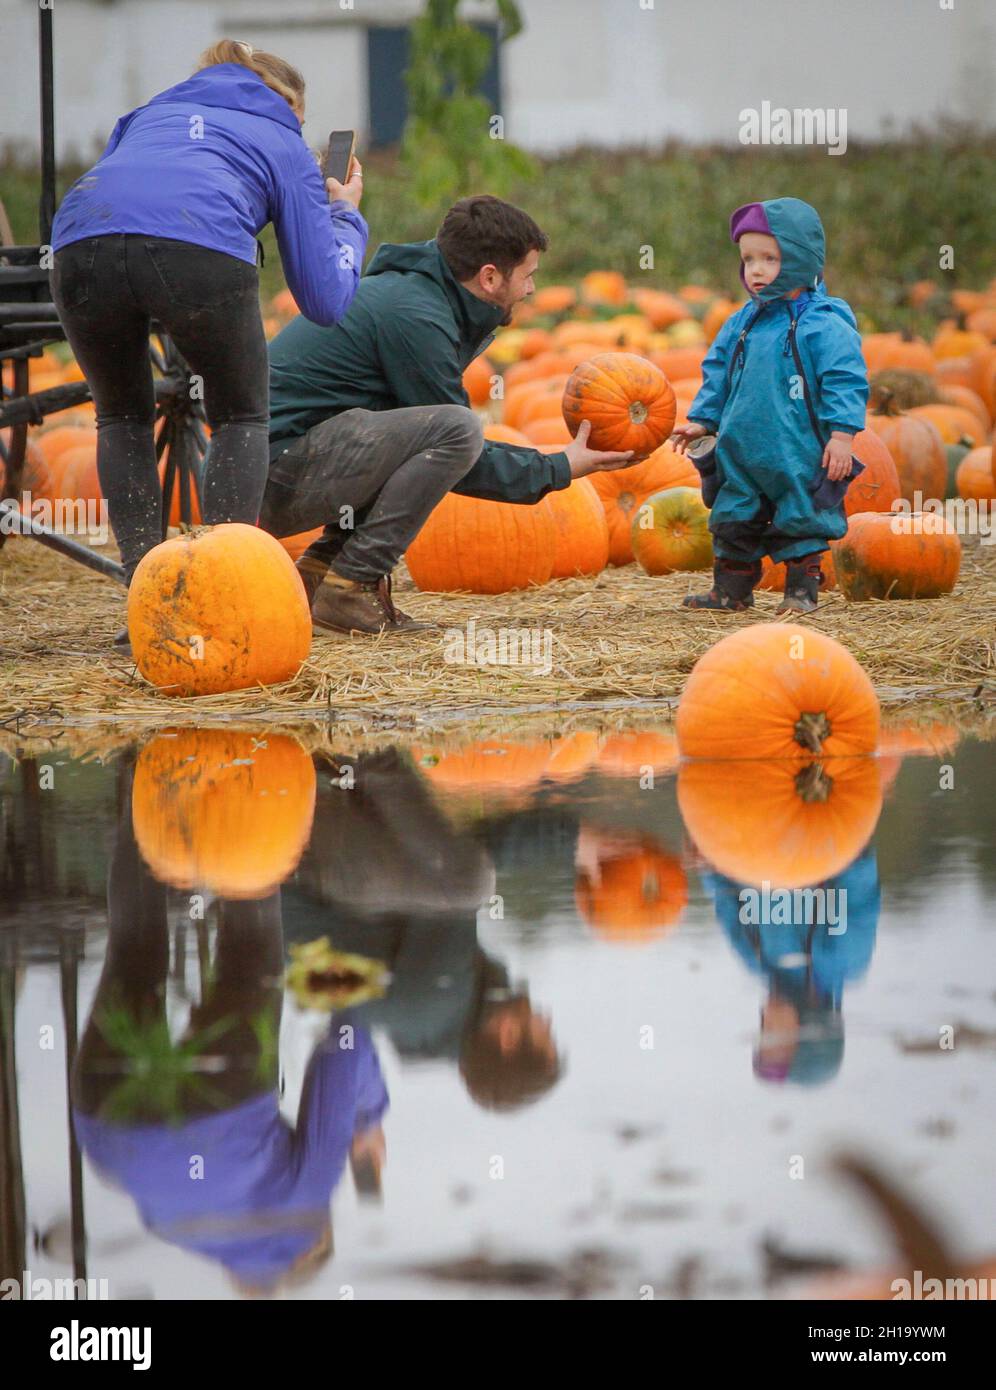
(339,155)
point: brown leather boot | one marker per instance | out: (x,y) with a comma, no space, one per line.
(347,605)
(312,573)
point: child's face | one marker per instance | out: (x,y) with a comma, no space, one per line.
(761,258)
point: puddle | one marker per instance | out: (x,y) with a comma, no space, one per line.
(516,1018)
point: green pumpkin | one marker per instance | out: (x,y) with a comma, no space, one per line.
(955,453)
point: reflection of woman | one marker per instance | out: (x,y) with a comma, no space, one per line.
(193,1131)
(164,226)
(806,966)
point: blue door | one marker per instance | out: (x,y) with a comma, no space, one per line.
(387,59)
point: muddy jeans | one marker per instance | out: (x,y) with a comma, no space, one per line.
(106,290)
(370,478)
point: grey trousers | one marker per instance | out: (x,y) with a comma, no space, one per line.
(371,478)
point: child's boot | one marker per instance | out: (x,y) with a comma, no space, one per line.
(803,578)
(732,587)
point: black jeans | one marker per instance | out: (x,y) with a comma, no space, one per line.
(370,478)
(106,290)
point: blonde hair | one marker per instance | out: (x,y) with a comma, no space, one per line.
(278,75)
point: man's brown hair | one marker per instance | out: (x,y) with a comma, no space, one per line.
(485,231)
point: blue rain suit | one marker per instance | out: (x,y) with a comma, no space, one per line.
(756,381)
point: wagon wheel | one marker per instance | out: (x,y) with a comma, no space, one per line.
(181,436)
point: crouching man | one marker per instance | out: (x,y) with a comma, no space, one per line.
(370,425)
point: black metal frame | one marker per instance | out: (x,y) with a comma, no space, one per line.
(29,323)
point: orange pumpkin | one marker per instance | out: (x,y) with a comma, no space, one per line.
(953,422)
(670,532)
(716,315)
(78,478)
(968,400)
(679,362)
(775,690)
(297,545)
(223,809)
(975,475)
(485,547)
(504,434)
(917,451)
(787,823)
(623,489)
(661,309)
(773,576)
(638,893)
(628,400)
(554,299)
(477,380)
(216,609)
(877,488)
(884,350)
(605,287)
(581,543)
(897,555)
(548,431)
(55,441)
(284,305)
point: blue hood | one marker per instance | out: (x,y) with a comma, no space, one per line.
(799,232)
(234,87)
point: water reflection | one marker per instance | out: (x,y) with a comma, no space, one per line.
(465,912)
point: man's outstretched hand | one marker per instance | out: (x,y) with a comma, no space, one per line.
(584,460)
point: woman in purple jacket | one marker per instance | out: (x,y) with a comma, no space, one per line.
(164,226)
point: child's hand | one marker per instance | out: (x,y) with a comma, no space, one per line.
(684,434)
(837,456)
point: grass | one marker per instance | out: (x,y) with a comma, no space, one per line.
(888,209)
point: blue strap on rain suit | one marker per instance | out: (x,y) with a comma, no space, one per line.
(768,457)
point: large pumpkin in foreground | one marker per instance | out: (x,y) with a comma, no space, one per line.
(216,609)
(486,547)
(897,555)
(777,690)
(224,809)
(789,823)
(628,400)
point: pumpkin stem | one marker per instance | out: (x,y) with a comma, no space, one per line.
(813,784)
(637,412)
(810,731)
(886,403)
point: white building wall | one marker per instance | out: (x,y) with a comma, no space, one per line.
(606,72)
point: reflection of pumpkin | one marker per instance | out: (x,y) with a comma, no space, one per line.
(638,891)
(486,547)
(790,823)
(622,491)
(931,740)
(896,555)
(777,690)
(223,809)
(572,756)
(628,400)
(323,978)
(581,544)
(218,608)
(630,754)
(670,532)
(489,763)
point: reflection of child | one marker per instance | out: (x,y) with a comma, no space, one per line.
(806,967)
(785,391)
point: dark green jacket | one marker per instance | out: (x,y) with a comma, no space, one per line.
(406,340)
